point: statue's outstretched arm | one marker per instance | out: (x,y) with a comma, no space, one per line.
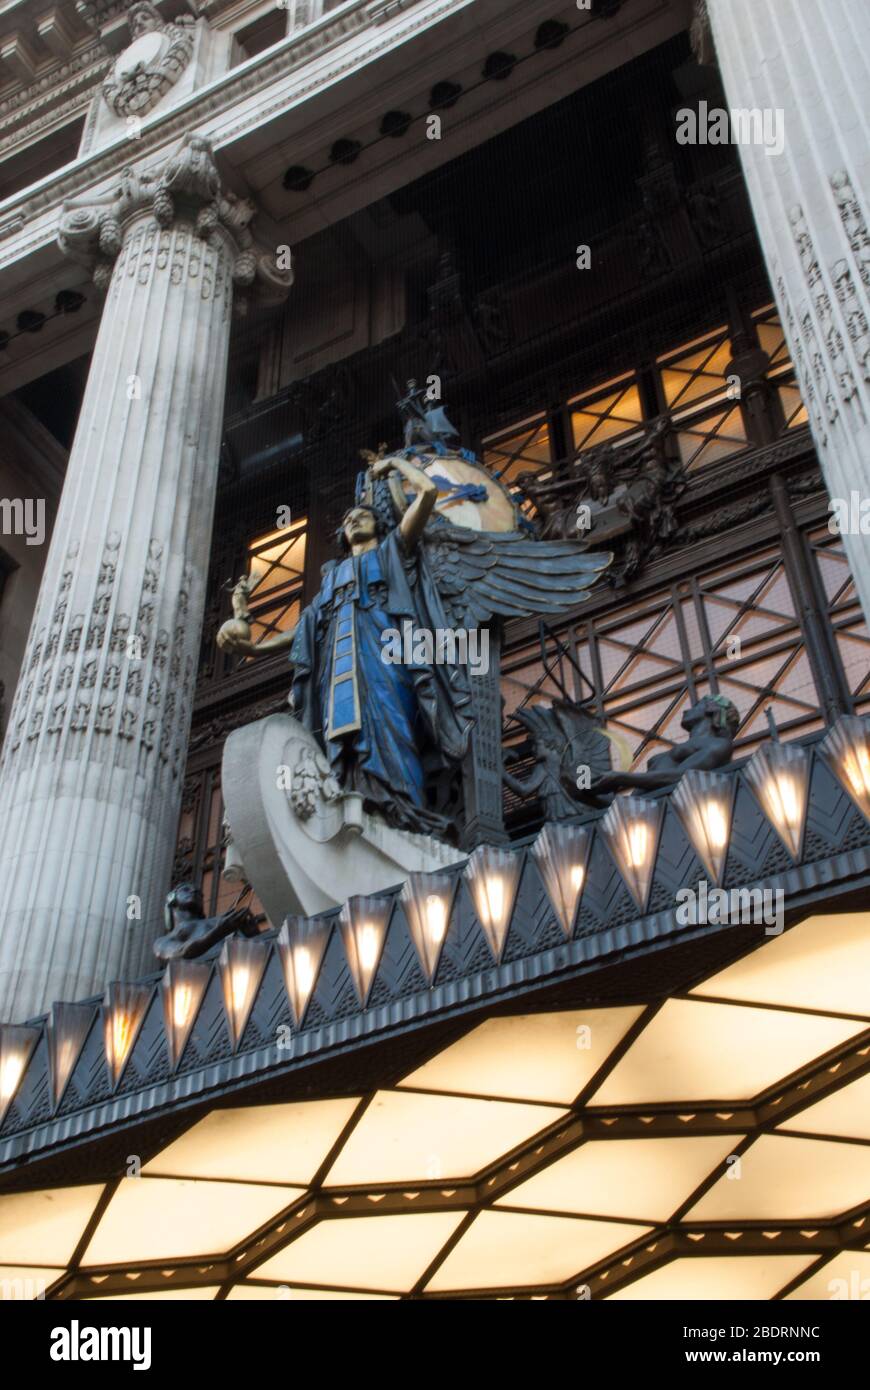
(414,521)
(235,635)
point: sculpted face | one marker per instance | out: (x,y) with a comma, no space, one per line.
(144,20)
(359,525)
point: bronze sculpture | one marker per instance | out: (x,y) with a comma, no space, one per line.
(398,732)
(711,724)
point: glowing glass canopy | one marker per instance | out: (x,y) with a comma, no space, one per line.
(566,1154)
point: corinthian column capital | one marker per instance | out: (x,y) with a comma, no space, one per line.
(185,190)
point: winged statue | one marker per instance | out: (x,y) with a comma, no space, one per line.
(431,546)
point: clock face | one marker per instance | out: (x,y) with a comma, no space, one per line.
(142,51)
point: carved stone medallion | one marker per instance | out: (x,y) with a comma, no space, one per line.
(151,65)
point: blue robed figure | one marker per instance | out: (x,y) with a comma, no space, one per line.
(389,729)
(397,732)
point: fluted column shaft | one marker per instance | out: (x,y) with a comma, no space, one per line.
(90,778)
(811,61)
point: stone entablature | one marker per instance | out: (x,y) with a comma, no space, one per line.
(240,90)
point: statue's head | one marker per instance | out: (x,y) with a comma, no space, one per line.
(357,526)
(144,18)
(716,712)
(186,896)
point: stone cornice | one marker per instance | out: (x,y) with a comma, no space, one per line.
(224,110)
(78,74)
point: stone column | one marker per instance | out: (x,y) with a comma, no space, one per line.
(811,61)
(90,778)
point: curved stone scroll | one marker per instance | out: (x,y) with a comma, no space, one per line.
(306,846)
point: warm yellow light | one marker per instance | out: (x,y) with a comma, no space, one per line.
(11,1071)
(364,922)
(703,801)
(427,900)
(493,876)
(436,918)
(182,1001)
(560,853)
(856,767)
(259,1143)
(68,1027)
(122,1029)
(304,966)
(630,827)
(786,803)
(779,775)
(492,900)
(543,1057)
(715,824)
(182,988)
(301,946)
(241,964)
(368,944)
(67,1054)
(847,746)
(241,982)
(124,1010)
(638,845)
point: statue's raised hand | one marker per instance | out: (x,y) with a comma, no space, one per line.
(235,635)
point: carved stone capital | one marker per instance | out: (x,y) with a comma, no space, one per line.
(187,187)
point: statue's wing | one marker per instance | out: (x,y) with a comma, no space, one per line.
(486,574)
(585,742)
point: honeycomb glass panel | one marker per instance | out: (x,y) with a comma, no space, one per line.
(44,1227)
(783,1178)
(388,1254)
(545,1057)
(637,1179)
(823,963)
(506,1249)
(264,1293)
(693,1051)
(845,1113)
(845,1277)
(407,1137)
(258,1143)
(743,1277)
(165,1218)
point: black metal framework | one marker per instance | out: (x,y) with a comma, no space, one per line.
(696,385)
(522,448)
(844,614)
(276,566)
(735,629)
